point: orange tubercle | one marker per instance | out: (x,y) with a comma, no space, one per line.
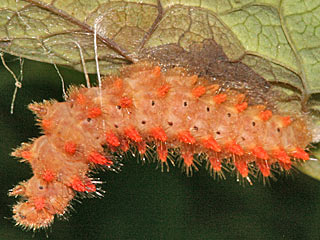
(265,115)
(39,203)
(198,91)
(70,147)
(259,152)
(112,139)
(163,90)
(133,134)
(234,148)
(78,185)
(159,134)
(46,123)
(286,121)
(97,158)
(94,112)
(48,176)
(282,156)
(241,106)
(125,102)
(81,99)
(186,137)
(301,154)
(211,143)
(220,98)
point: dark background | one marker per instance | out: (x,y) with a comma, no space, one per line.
(141,202)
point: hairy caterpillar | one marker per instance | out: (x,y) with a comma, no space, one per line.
(169,111)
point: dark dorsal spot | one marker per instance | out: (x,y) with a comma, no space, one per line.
(229,114)
(185,104)
(143,122)
(118,107)
(40,187)
(116,126)
(195,128)
(88,119)
(170,123)
(278,130)
(243,139)
(208,109)
(218,132)
(153,103)
(253,124)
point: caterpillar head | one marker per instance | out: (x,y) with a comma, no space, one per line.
(41,201)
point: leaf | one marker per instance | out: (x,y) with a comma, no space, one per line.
(237,40)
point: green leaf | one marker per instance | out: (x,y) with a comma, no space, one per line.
(238,40)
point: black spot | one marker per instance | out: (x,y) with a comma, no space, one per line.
(195,128)
(40,187)
(153,103)
(170,123)
(208,109)
(185,104)
(253,123)
(229,114)
(116,126)
(118,107)
(218,132)
(88,119)
(278,130)
(143,122)
(243,139)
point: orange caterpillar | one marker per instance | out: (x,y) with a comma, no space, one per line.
(148,108)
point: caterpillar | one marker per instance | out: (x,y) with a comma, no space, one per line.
(184,118)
